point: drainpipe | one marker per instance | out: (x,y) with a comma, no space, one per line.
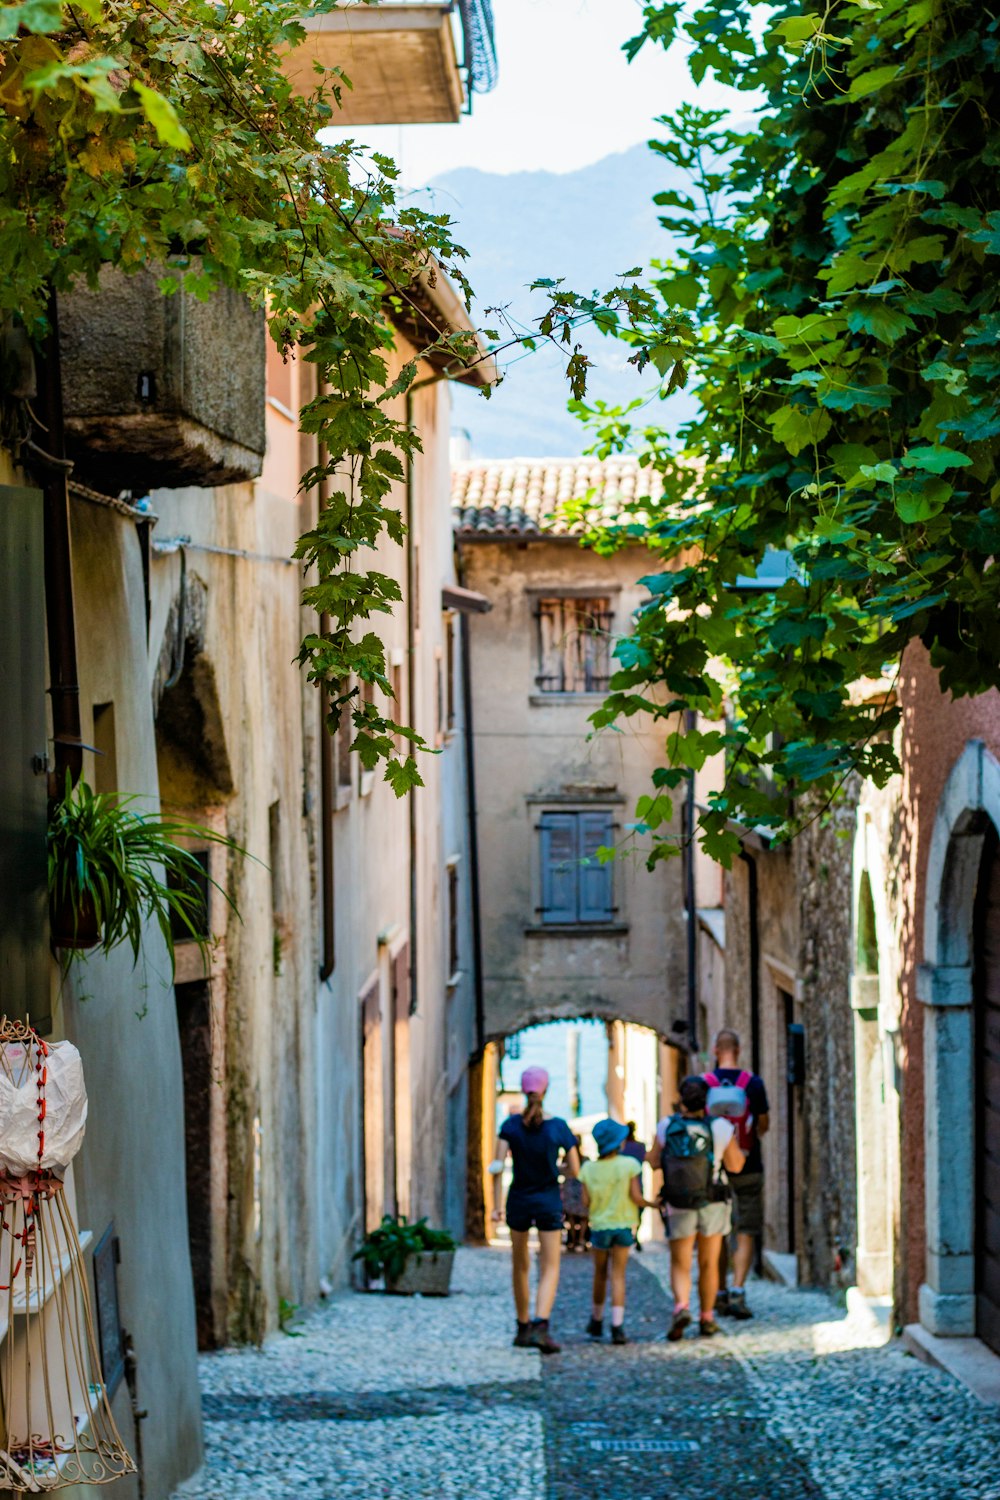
(754,945)
(49,457)
(473,833)
(326,787)
(326,831)
(691,907)
(411,690)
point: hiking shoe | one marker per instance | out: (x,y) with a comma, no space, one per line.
(723,1305)
(708,1328)
(595,1329)
(618,1336)
(681,1320)
(522,1338)
(540,1338)
(738,1305)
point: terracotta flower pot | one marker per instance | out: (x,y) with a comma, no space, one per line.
(74,925)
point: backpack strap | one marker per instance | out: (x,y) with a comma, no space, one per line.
(743,1081)
(712,1079)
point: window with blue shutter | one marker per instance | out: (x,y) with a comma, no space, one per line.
(575,886)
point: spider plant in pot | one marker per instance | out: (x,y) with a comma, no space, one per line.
(112,868)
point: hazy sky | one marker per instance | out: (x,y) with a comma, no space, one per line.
(566,95)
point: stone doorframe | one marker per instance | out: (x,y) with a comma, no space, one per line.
(970,799)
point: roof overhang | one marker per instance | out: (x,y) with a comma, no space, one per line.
(401,60)
(432,308)
(465,601)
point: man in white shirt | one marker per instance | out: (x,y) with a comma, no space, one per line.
(692,1151)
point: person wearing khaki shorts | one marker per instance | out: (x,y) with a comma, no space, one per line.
(705,1225)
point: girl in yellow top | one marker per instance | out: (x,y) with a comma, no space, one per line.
(613,1195)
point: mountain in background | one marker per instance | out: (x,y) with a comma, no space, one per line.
(587,227)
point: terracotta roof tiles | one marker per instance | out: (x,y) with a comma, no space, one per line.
(524,497)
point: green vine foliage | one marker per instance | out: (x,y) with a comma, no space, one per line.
(136,133)
(836,305)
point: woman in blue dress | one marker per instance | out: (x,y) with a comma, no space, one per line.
(535,1142)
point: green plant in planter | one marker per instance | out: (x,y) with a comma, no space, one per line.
(111,868)
(385,1250)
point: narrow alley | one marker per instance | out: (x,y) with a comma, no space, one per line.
(373,1396)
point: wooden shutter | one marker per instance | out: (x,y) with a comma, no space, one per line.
(559,867)
(594,878)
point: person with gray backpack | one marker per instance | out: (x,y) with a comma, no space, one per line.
(695,1154)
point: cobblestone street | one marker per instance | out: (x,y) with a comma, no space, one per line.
(381,1397)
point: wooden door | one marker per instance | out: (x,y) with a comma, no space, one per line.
(987,1111)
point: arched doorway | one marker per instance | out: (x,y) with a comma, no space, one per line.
(874,1002)
(960,987)
(986,1008)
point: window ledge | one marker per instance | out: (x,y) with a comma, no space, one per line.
(453,981)
(342,798)
(577,929)
(566,700)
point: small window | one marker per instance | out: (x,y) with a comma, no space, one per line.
(449,663)
(575,886)
(106,758)
(454,958)
(198,883)
(574,637)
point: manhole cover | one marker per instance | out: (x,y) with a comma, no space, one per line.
(644,1445)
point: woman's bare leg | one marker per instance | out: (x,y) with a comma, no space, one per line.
(548,1271)
(520,1271)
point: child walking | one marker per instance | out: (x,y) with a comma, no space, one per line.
(613,1193)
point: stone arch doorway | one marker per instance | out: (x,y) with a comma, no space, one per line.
(874,1002)
(959,984)
(635,1079)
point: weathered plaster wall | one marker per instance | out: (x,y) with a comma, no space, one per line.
(829,1172)
(804,966)
(130,1169)
(529,749)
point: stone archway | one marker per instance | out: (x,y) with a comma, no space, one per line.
(874,1002)
(967,813)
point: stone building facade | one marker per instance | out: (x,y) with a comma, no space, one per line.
(567,935)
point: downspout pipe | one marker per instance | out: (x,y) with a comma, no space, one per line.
(411,687)
(753,935)
(50,459)
(327,873)
(472,814)
(690,906)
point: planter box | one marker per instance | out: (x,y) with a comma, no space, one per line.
(428,1275)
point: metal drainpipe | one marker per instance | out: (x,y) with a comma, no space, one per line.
(473,822)
(64,681)
(690,908)
(411,684)
(326,787)
(754,945)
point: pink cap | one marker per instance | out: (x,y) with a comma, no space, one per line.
(534,1081)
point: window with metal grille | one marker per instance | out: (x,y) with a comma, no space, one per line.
(575,886)
(574,638)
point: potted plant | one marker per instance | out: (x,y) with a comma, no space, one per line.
(411,1258)
(111,868)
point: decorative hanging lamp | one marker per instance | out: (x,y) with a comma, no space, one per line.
(56,1425)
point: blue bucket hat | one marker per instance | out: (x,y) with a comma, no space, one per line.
(608,1136)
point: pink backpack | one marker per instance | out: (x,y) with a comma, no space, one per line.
(730,1102)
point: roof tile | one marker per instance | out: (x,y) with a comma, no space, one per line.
(515,498)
